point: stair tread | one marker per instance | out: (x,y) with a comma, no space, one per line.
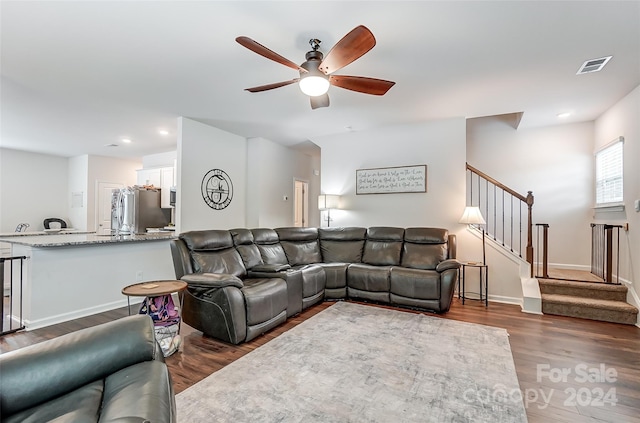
(585,285)
(592,302)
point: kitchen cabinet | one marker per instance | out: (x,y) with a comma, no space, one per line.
(150,177)
(159,177)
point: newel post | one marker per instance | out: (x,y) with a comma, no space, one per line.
(530,230)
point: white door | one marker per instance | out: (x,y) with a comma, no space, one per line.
(301,204)
(103,211)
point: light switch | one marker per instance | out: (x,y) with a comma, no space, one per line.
(637,204)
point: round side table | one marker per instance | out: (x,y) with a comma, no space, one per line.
(168,339)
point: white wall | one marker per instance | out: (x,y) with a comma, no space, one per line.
(272,169)
(554,162)
(159,160)
(440,145)
(78,185)
(37,186)
(202,148)
(623,119)
(33,187)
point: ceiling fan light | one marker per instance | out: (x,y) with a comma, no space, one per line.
(314,85)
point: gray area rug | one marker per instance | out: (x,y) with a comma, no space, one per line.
(358,363)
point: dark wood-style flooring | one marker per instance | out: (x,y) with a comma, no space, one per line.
(543,347)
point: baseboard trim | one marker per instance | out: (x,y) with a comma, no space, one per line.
(505,300)
(77,314)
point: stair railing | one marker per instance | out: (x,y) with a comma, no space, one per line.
(542,250)
(508,213)
(602,251)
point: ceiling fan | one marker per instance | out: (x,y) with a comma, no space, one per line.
(316,73)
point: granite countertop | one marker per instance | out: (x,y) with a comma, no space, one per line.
(85,238)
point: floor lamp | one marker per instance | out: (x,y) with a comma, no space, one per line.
(328,202)
(473,216)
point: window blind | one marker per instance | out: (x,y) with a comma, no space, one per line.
(609,173)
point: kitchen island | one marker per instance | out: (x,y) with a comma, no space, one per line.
(67,276)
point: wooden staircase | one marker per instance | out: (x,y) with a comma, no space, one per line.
(588,300)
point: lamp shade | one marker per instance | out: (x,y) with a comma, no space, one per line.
(328,201)
(472,216)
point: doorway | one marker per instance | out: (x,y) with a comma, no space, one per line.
(301,204)
(103,212)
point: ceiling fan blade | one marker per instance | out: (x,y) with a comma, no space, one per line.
(265,52)
(271,86)
(362,84)
(352,46)
(319,101)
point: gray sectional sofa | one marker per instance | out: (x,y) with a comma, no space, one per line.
(244,282)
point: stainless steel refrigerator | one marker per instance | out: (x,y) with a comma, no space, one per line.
(134,209)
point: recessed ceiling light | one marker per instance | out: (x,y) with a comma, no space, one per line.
(564,115)
(163,132)
(111,145)
(126,140)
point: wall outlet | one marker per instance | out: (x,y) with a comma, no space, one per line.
(139,276)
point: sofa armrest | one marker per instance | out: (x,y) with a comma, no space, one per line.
(448,264)
(212,280)
(38,373)
(266,268)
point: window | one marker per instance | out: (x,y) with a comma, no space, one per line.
(609,173)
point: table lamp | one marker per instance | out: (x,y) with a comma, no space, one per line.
(473,216)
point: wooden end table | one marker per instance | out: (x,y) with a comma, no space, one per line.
(152,289)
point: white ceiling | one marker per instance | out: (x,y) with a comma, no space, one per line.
(79,75)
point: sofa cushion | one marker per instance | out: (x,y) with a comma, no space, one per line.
(81,405)
(243,240)
(224,261)
(143,390)
(265,298)
(424,248)
(300,245)
(211,240)
(369,278)
(297,234)
(383,246)
(415,283)
(342,245)
(298,253)
(269,246)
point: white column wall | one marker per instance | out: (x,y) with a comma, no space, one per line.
(202,148)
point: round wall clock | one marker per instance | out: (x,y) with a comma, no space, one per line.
(217,189)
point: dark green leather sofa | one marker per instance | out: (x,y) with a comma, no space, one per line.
(114,372)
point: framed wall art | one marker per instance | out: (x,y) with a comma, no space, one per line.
(391,180)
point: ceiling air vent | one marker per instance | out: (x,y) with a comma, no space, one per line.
(593,65)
